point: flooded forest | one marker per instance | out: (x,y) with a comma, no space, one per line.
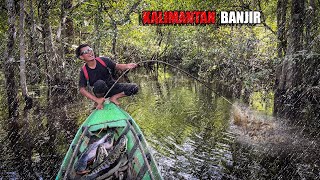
(214,102)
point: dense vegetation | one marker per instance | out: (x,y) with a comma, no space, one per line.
(277,59)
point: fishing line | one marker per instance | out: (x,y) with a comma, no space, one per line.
(173,66)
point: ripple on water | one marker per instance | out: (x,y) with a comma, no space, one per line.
(197,157)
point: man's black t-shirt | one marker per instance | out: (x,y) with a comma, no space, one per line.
(99,73)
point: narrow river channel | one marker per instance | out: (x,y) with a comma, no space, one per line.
(191,131)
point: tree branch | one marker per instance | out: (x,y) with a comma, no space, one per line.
(127,16)
(263,20)
(76,6)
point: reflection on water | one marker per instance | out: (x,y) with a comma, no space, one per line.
(188,128)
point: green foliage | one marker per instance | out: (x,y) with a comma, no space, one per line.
(262,101)
(242,58)
(237,57)
(212,53)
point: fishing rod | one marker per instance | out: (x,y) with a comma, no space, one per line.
(173,66)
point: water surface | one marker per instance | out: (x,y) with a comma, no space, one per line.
(190,130)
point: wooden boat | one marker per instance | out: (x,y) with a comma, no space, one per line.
(135,162)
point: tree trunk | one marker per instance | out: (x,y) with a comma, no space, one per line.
(46,44)
(9,68)
(295,40)
(52,76)
(310,25)
(97,26)
(51,57)
(23,78)
(289,73)
(22,156)
(34,62)
(65,30)
(61,32)
(281,23)
(114,40)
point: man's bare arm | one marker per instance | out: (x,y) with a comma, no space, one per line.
(123,67)
(87,94)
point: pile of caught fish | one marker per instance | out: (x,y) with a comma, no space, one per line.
(103,159)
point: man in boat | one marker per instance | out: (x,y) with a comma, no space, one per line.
(97,73)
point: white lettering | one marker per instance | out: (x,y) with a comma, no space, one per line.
(251,17)
(224,17)
(257,19)
(246,18)
(232,18)
(240,17)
